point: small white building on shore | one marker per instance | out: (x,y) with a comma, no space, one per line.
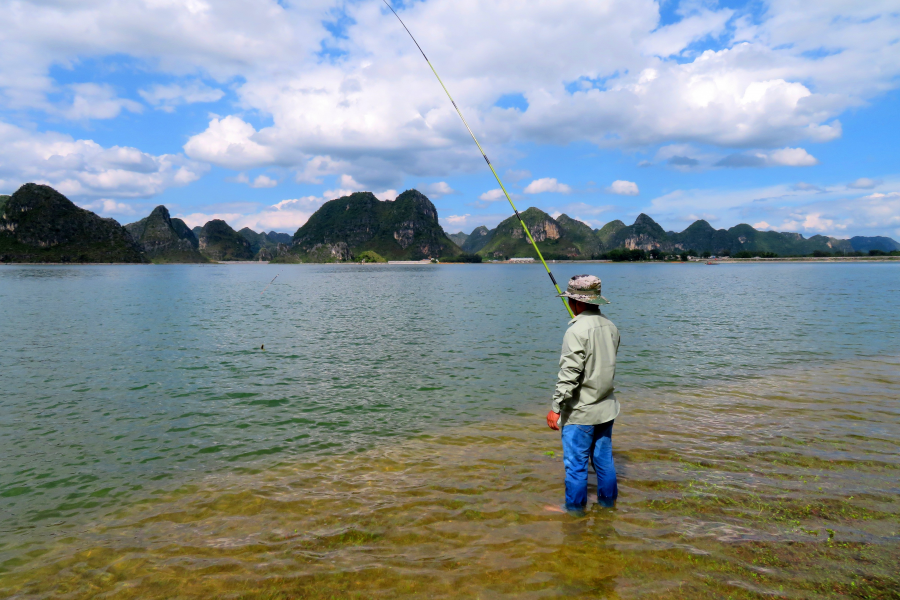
(521,260)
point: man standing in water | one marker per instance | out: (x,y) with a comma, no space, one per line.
(584,404)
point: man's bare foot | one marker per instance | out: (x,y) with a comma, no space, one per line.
(555,509)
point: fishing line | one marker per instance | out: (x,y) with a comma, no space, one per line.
(486,159)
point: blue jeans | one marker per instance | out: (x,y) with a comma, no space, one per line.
(594,442)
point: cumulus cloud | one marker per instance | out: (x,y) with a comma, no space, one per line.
(263,181)
(813,222)
(286,215)
(760,85)
(438,189)
(94,101)
(85,169)
(784,207)
(547,184)
(880,196)
(369,106)
(110,207)
(492,195)
(623,188)
(230,142)
(168,97)
(863,183)
(785,157)
(457,220)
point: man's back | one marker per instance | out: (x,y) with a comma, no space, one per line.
(587,367)
(584,406)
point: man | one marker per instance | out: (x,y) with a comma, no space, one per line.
(584,404)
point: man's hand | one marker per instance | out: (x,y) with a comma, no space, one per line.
(553,420)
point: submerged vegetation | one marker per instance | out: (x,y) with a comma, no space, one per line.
(730,511)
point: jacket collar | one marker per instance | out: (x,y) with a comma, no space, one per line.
(587,313)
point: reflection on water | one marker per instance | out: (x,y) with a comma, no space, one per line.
(389,441)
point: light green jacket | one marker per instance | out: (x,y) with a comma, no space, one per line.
(584,390)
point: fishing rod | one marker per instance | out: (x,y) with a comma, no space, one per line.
(486,159)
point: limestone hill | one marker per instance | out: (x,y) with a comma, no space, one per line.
(166,240)
(218,241)
(264,246)
(38,224)
(404,229)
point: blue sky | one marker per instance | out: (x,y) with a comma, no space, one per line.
(780,114)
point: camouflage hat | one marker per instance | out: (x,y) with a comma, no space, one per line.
(585,288)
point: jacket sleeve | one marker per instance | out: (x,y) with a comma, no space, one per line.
(571,368)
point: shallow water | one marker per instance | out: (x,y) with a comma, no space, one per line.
(388,440)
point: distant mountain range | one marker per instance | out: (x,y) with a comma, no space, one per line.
(567,238)
(38,224)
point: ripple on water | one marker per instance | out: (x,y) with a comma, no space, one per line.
(722,495)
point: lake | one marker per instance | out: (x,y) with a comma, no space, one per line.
(378,431)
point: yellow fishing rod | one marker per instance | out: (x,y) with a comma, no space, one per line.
(486,159)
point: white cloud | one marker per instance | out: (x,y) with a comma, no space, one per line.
(762,86)
(792,157)
(376,112)
(492,195)
(167,97)
(785,157)
(347,185)
(457,220)
(813,222)
(436,190)
(864,183)
(880,196)
(84,169)
(624,188)
(700,216)
(762,225)
(547,184)
(230,142)
(675,38)
(110,207)
(286,215)
(94,101)
(468,222)
(784,207)
(262,181)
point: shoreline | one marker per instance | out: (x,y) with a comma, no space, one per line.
(724,261)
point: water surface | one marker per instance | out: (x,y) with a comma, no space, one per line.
(388,440)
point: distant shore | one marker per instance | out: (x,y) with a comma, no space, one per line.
(702,261)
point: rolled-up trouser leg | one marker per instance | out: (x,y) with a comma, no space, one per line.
(602,457)
(576,442)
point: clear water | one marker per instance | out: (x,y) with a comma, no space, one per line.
(388,441)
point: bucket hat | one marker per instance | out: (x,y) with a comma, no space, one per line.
(585,288)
